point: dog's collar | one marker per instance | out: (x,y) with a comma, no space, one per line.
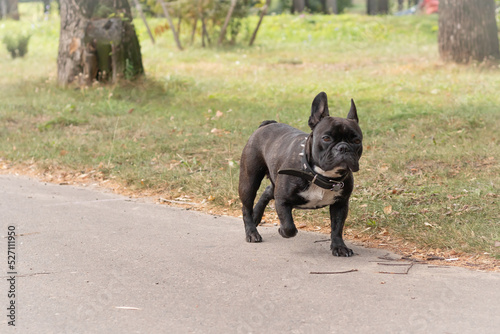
(309,174)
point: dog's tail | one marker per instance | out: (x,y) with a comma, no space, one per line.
(266,123)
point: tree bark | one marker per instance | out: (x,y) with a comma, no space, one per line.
(141,14)
(330,7)
(193,31)
(468,31)
(226,22)
(262,13)
(171,24)
(87,38)
(204,33)
(9,9)
(377,7)
(298,6)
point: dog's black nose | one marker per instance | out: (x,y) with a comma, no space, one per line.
(342,147)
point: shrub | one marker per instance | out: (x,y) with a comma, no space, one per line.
(17,45)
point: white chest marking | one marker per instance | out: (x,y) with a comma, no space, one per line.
(317,197)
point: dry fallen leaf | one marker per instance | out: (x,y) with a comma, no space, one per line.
(384,232)
(388,209)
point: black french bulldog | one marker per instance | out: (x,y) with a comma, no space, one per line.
(306,171)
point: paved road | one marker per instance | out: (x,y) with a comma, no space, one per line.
(95,262)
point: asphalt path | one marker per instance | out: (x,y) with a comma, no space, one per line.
(89,261)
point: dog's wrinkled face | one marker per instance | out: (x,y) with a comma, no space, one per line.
(336,143)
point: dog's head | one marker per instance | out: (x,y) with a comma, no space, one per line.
(335,145)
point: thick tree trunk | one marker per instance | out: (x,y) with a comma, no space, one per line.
(93,46)
(468,31)
(8,9)
(298,6)
(330,7)
(376,7)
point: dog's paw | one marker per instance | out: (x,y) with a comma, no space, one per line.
(254,237)
(288,233)
(342,250)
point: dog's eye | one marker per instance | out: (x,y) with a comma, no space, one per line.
(326,139)
(357,141)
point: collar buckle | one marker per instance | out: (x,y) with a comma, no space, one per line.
(337,186)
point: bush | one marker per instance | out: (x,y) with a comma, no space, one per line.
(312,6)
(17,45)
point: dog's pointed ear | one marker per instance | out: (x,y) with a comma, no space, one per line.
(353,113)
(319,110)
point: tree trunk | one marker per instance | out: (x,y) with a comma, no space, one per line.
(46,6)
(377,7)
(8,9)
(171,24)
(138,7)
(468,31)
(193,31)
(226,22)
(330,7)
(263,12)
(298,6)
(204,33)
(93,46)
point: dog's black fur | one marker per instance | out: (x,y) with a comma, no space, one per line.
(332,150)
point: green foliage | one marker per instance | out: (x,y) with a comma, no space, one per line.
(103,11)
(498,13)
(213,12)
(60,121)
(312,6)
(130,72)
(17,44)
(342,5)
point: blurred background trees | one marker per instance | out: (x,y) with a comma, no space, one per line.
(98,39)
(8,9)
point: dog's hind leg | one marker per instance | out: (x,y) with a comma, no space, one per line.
(258,210)
(248,186)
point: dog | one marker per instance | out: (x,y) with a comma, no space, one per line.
(307,171)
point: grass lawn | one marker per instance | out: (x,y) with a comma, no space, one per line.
(430,170)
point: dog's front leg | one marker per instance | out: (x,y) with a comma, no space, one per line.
(338,215)
(284,210)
